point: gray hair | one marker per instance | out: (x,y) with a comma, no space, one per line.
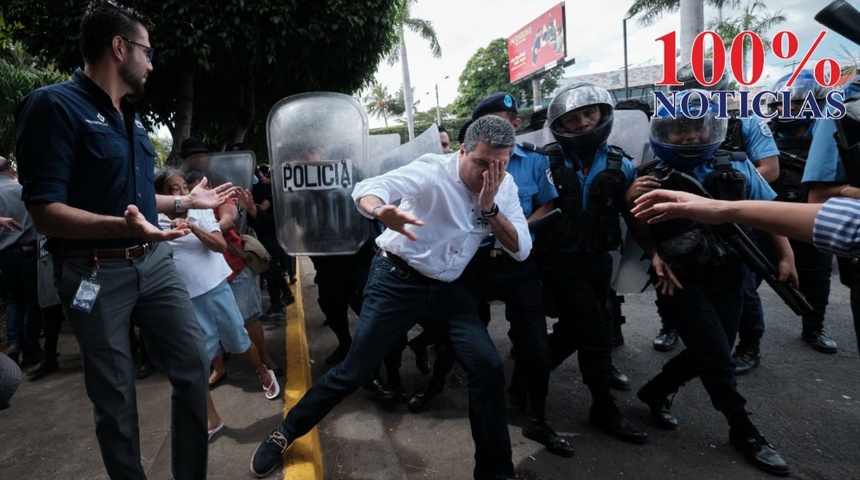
(163,176)
(492,130)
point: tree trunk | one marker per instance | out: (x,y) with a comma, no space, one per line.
(407,86)
(692,24)
(245,111)
(184,114)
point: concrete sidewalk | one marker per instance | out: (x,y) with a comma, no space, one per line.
(48,432)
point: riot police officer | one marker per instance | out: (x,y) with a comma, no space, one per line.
(698,273)
(752,137)
(793,137)
(825,176)
(573,251)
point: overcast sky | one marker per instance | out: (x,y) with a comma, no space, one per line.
(594,39)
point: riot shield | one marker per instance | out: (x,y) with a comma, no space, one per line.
(317,150)
(427,142)
(630,131)
(538,137)
(221,167)
(379,144)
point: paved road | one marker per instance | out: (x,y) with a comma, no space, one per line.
(806,403)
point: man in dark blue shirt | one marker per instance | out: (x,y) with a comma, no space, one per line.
(87,169)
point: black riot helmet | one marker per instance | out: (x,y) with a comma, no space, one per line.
(574,97)
(686,77)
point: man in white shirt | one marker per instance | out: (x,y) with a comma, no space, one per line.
(448,204)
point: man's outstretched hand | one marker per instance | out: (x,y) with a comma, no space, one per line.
(139,227)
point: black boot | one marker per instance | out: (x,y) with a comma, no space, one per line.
(745,437)
(46,366)
(379,390)
(538,430)
(618,380)
(606,416)
(660,406)
(746,357)
(814,334)
(666,340)
(419,399)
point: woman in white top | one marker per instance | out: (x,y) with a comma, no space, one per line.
(201,266)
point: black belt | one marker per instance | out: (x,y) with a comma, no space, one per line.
(396,260)
(400,263)
(124,253)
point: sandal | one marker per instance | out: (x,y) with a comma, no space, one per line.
(273,390)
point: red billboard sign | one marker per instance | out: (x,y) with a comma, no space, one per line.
(539,44)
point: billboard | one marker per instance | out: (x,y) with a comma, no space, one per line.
(539,44)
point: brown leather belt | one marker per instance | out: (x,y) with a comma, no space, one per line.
(124,253)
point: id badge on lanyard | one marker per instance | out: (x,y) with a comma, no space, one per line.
(88,290)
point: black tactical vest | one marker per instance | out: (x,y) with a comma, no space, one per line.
(793,152)
(688,244)
(597,228)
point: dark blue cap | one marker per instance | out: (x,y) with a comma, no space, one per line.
(494,103)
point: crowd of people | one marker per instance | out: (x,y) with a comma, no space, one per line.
(530,226)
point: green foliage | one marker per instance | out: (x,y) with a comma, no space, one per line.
(243,55)
(20,74)
(650,11)
(162,148)
(380,103)
(487,72)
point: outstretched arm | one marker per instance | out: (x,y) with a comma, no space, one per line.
(793,220)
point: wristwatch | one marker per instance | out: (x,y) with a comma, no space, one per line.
(177,204)
(375,211)
(493,211)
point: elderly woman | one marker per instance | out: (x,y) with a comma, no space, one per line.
(201,265)
(244,283)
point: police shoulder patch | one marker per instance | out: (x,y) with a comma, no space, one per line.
(765,128)
(549,176)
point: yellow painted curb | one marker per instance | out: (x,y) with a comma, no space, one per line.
(304,458)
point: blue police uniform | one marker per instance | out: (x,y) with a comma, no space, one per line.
(75,148)
(825,165)
(530,170)
(758,139)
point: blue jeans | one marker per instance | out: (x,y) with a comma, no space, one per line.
(23,314)
(146,290)
(395,299)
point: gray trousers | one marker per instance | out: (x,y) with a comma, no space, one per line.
(148,291)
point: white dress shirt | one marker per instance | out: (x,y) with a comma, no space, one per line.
(430,188)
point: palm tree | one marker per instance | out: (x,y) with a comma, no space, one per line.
(378,101)
(758,23)
(426,31)
(692,16)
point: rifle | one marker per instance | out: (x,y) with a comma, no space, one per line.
(747,250)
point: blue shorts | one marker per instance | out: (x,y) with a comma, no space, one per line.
(246,289)
(221,321)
